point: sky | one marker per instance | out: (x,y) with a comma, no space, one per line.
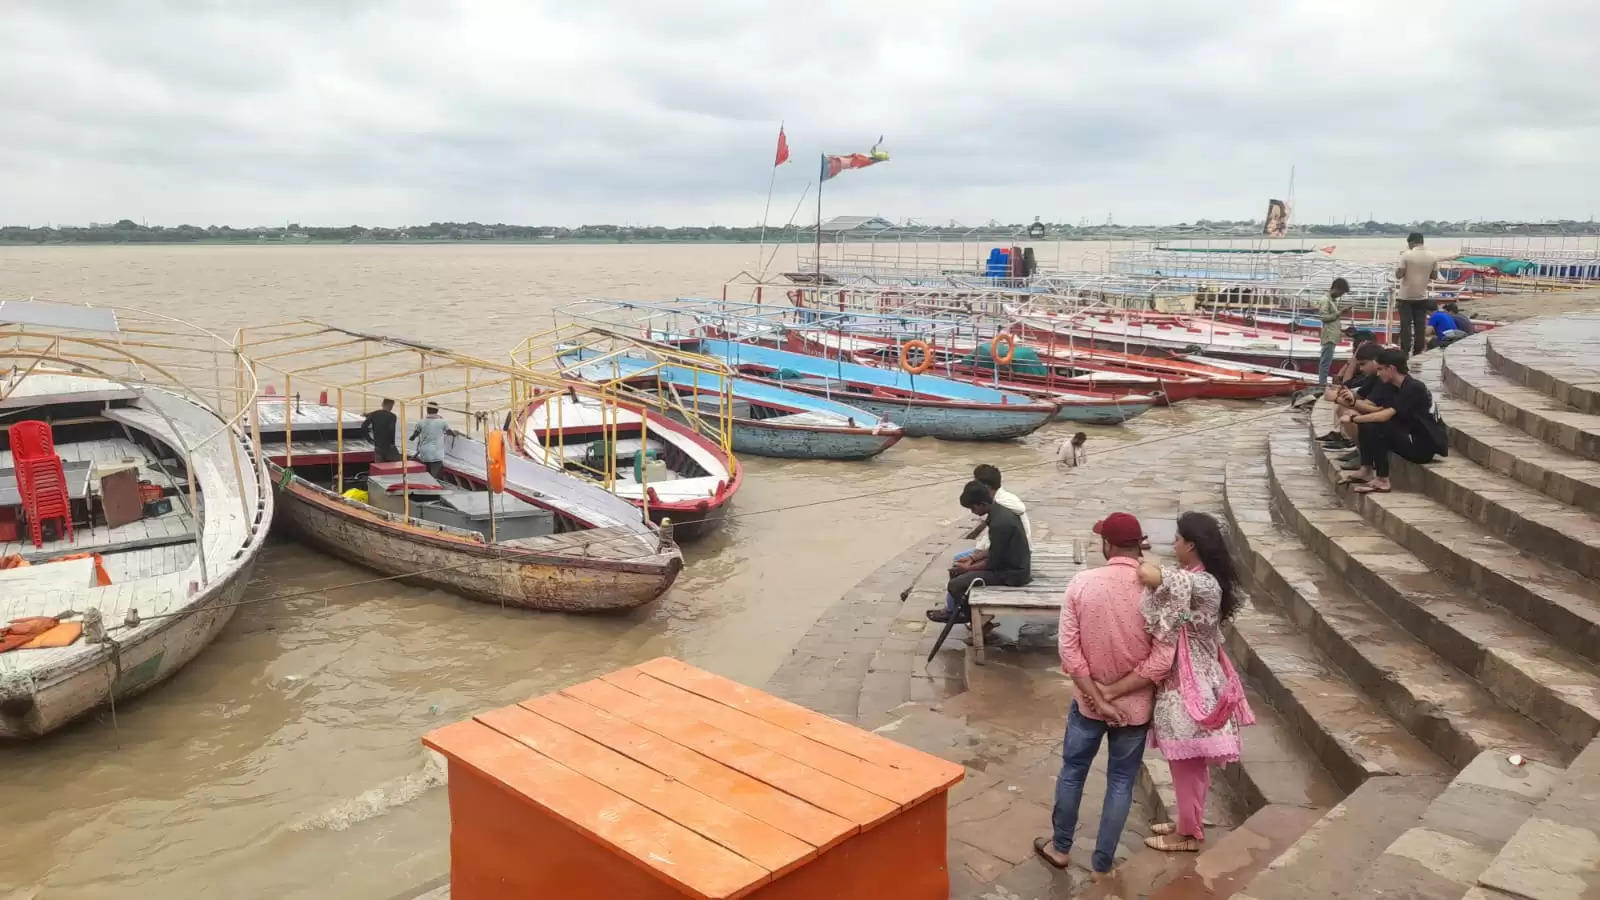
(338,112)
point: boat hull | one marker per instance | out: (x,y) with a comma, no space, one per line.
(532,580)
(954,422)
(1101,413)
(759,438)
(139,664)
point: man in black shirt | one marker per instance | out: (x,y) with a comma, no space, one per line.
(379,427)
(1398,424)
(1355,382)
(1010,559)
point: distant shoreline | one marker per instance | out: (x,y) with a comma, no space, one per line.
(865,239)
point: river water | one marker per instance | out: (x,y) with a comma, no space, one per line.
(284,761)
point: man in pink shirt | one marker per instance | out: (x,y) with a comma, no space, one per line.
(1102,638)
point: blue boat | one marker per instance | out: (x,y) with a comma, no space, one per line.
(923,405)
(767,420)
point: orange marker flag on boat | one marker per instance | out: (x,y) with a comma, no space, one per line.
(783,149)
(833,165)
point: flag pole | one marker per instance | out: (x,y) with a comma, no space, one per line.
(821,177)
(761,251)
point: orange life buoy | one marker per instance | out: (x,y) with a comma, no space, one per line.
(497,461)
(905,357)
(1011,348)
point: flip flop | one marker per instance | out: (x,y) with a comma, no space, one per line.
(1352,479)
(1038,848)
(1370,488)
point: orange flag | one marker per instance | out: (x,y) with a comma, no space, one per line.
(783,149)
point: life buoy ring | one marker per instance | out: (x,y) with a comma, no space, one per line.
(497,461)
(905,357)
(1011,348)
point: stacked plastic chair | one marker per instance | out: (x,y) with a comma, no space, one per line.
(41,480)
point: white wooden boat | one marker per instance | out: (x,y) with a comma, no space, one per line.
(175,578)
(545,541)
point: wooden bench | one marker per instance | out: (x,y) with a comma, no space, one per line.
(665,781)
(1053,567)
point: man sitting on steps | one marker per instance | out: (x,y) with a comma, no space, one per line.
(1404,423)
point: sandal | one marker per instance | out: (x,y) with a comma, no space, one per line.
(1370,488)
(1038,847)
(1161,828)
(1173,843)
(1352,479)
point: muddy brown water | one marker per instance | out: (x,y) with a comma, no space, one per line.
(284,761)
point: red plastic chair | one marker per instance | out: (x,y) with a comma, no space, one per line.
(32,439)
(41,480)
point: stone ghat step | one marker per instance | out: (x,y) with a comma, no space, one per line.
(1560,532)
(1460,832)
(1443,707)
(1504,449)
(1467,375)
(1562,603)
(1555,854)
(1346,728)
(1426,669)
(1554,355)
(1326,861)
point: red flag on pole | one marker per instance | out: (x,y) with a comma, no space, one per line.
(783,149)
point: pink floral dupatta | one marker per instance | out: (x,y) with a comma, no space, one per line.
(1173,620)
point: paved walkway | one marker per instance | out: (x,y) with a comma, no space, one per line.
(863,661)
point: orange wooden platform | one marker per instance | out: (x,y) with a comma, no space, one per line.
(666,781)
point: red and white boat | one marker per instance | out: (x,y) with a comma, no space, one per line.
(662,465)
(1163,334)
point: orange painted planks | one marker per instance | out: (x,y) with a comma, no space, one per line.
(762,844)
(901,786)
(673,852)
(820,728)
(817,788)
(816,827)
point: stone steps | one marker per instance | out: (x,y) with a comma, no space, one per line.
(1551,355)
(1327,860)
(1456,838)
(1503,449)
(1425,671)
(1489,608)
(1346,729)
(1555,853)
(1467,375)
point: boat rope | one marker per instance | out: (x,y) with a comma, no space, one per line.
(937,482)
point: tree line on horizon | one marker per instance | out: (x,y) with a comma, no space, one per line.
(126,231)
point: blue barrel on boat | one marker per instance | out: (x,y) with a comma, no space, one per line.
(999,263)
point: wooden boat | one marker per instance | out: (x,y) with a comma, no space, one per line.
(174,570)
(1072,406)
(1159,334)
(922,405)
(664,467)
(547,541)
(767,420)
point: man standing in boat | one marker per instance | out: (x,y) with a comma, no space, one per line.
(428,437)
(379,426)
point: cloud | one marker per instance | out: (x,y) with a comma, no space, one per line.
(644,112)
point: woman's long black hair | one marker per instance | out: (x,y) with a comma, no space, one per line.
(1203,531)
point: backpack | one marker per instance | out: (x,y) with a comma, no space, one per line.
(1438,432)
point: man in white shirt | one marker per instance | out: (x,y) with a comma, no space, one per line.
(1070,452)
(1416,270)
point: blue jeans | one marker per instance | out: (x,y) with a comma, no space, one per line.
(1324,363)
(1078,749)
(949,599)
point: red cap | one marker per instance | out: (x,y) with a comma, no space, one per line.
(1120,529)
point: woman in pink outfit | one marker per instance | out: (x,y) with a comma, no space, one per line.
(1200,705)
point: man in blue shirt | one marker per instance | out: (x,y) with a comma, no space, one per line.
(1444,329)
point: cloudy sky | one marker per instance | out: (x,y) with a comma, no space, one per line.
(339,112)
